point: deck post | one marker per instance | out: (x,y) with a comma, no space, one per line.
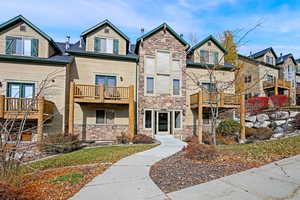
(276,86)
(222,99)
(131,112)
(101,93)
(200,117)
(2,98)
(242,117)
(40,122)
(71,109)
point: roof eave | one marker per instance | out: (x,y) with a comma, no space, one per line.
(33,60)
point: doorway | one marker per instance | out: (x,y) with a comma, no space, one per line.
(163,122)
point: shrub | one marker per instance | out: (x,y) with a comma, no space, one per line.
(193,139)
(228,127)
(296,121)
(9,192)
(123,138)
(200,152)
(142,139)
(226,140)
(257,104)
(279,100)
(259,133)
(60,143)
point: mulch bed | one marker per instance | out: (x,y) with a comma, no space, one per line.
(177,172)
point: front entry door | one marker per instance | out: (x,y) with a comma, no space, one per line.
(163,123)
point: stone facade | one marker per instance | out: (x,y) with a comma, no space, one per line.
(162,40)
(99,132)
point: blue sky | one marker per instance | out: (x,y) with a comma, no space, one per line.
(280,19)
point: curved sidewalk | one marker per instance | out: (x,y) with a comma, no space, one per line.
(129,179)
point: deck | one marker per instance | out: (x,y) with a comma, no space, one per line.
(33,108)
(277,83)
(101,94)
(224,100)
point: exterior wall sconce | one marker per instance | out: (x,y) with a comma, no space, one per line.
(183,112)
(121,78)
(143,111)
(0,84)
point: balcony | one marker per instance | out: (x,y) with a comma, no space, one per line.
(297,90)
(101,94)
(277,83)
(33,108)
(224,100)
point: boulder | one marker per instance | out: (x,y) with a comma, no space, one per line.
(278,123)
(278,130)
(293,113)
(280,115)
(278,135)
(249,124)
(262,117)
(251,118)
(264,124)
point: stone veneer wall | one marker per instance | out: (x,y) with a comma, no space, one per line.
(162,40)
(99,132)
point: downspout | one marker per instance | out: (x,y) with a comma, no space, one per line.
(136,94)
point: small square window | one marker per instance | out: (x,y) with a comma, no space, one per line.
(106,30)
(23,28)
(209,43)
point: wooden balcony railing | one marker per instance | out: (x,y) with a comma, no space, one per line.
(221,99)
(19,106)
(100,93)
(277,83)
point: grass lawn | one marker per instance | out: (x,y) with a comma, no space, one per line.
(63,181)
(267,151)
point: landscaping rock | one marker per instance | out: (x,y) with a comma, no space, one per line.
(278,130)
(293,114)
(279,123)
(278,135)
(280,115)
(249,124)
(264,124)
(251,118)
(262,117)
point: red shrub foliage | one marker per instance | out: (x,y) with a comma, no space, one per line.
(257,104)
(279,100)
(142,139)
(200,152)
(8,192)
(193,139)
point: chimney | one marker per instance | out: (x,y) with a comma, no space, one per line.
(142,30)
(67,42)
(80,42)
(181,35)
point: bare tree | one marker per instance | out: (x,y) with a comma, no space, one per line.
(12,151)
(193,38)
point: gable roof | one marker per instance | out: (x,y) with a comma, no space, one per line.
(19,18)
(211,38)
(155,30)
(104,22)
(282,59)
(298,60)
(263,52)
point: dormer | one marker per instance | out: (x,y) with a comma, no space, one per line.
(267,56)
(19,37)
(208,51)
(105,38)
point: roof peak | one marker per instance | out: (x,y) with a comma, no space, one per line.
(213,39)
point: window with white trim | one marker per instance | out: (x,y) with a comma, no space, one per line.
(106,45)
(163,62)
(163,84)
(176,87)
(149,85)
(105,117)
(149,65)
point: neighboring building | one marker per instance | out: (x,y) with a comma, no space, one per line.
(27,57)
(265,74)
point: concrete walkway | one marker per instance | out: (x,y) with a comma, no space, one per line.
(276,181)
(128,179)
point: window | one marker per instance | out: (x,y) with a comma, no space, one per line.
(150,85)
(269,77)
(176,87)
(21,46)
(290,69)
(148,119)
(204,56)
(106,80)
(106,45)
(209,87)
(270,60)
(163,62)
(149,65)
(163,84)
(176,68)
(248,79)
(215,57)
(177,119)
(20,90)
(208,43)
(106,30)
(23,28)
(105,117)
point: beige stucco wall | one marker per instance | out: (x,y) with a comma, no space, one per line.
(84,71)
(213,47)
(201,75)
(30,33)
(36,73)
(100,33)
(264,58)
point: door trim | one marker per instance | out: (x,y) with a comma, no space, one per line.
(157,123)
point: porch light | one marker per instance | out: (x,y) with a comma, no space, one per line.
(143,111)
(121,78)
